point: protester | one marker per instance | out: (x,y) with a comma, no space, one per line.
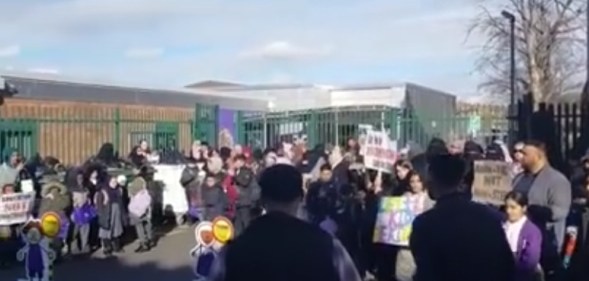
(140,214)
(9,240)
(322,199)
(55,199)
(83,212)
(404,262)
(523,236)
(191,179)
(458,239)
(278,244)
(549,195)
(518,155)
(214,199)
(247,193)
(10,169)
(110,207)
(402,169)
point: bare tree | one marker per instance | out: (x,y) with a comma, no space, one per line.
(549,47)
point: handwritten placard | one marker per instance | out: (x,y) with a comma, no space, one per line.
(395,218)
(15,208)
(380,153)
(492,181)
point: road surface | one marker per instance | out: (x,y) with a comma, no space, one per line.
(169,261)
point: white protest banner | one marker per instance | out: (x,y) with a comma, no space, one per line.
(174,196)
(492,181)
(15,208)
(381,152)
(27,186)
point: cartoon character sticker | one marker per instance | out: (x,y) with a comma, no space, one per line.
(37,253)
(210,238)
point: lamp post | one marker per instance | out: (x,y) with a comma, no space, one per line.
(511,18)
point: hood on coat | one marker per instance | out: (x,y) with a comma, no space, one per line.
(50,186)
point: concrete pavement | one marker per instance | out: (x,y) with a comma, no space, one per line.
(168,261)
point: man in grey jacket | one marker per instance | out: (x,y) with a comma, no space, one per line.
(549,196)
(10,168)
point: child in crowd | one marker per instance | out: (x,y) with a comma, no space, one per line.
(140,213)
(524,237)
(9,242)
(404,263)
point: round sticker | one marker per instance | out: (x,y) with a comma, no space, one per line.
(50,224)
(204,234)
(223,230)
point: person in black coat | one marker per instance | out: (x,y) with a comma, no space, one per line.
(248,194)
(214,199)
(458,239)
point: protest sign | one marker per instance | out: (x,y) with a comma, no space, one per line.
(15,208)
(380,153)
(174,196)
(492,181)
(395,218)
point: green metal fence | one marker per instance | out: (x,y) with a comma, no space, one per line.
(336,125)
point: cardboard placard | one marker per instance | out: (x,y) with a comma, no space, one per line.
(492,181)
(395,219)
(16,208)
(380,153)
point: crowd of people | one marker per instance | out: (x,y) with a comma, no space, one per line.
(330,189)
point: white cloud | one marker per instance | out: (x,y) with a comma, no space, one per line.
(249,40)
(43,70)
(284,50)
(144,53)
(10,51)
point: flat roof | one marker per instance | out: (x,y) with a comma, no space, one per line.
(55,87)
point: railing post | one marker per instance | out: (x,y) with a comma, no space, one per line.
(117,123)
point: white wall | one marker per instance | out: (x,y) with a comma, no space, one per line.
(393,97)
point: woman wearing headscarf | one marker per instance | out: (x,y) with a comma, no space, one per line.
(111,213)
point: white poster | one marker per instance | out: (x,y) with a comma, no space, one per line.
(16,208)
(380,153)
(173,193)
(27,186)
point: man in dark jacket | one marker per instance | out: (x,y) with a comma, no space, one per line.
(458,239)
(279,246)
(247,194)
(191,179)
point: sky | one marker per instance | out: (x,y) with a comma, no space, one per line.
(172,43)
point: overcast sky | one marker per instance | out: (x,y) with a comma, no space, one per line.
(170,43)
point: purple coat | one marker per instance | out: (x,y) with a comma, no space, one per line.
(529,248)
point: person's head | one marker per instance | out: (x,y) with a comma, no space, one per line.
(446,173)
(534,156)
(516,204)
(15,158)
(325,173)
(239,161)
(143,145)
(402,168)
(112,182)
(211,180)
(80,178)
(8,189)
(282,189)
(351,144)
(270,159)
(518,152)
(238,149)
(416,182)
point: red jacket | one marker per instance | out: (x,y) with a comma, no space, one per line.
(231,192)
